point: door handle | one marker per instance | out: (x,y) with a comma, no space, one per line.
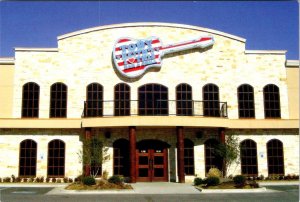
(151,164)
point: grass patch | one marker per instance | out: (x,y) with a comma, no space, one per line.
(100,185)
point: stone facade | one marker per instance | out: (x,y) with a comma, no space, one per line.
(225,64)
(85,57)
(10,140)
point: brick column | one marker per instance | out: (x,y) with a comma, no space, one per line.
(180,154)
(132,153)
(87,136)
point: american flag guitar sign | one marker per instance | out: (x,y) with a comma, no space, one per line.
(133,57)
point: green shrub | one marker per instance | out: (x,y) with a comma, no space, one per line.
(78,178)
(116,179)
(212,181)
(6,179)
(214,172)
(239,179)
(88,180)
(198,181)
(66,180)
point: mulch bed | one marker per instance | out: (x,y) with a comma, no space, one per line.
(227,185)
(100,185)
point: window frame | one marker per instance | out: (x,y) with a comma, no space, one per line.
(32,158)
(55,111)
(277,157)
(122,106)
(95,101)
(151,108)
(211,100)
(252,162)
(249,111)
(184,105)
(30,96)
(214,160)
(61,147)
(189,157)
(119,154)
(270,109)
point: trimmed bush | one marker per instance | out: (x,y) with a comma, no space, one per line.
(214,172)
(198,181)
(6,179)
(89,180)
(66,180)
(239,180)
(115,179)
(212,181)
(78,178)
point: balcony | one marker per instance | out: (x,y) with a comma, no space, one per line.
(118,108)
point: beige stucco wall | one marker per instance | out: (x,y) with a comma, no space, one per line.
(293,91)
(6,89)
(85,58)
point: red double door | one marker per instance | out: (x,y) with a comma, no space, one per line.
(152,164)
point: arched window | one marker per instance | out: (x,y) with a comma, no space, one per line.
(246,101)
(58,100)
(249,158)
(30,100)
(275,157)
(94,100)
(153,100)
(56,159)
(272,101)
(122,100)
(211,100)
(121,157)
(189,168)
(184,103)
(211,159)
(27,160)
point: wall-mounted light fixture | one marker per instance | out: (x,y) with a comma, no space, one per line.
(199,134)
(107,134)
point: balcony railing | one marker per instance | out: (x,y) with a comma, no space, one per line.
(154,108)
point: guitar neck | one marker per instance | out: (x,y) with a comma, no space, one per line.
(201,42)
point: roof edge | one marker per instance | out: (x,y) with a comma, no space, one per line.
(150,24)
(292,63)
(276,52)
(7,61)
(36,49)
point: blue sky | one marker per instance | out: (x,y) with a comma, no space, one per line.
(265,25)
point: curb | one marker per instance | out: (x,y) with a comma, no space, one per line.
(221,191)
(63,191)
(33,184)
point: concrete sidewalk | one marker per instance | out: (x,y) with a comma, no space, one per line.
(150,188)
(138,188)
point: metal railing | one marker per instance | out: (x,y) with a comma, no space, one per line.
(105,108)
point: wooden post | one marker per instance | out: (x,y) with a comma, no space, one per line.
(87,136)
(222,141)
(132,153)
(180,154)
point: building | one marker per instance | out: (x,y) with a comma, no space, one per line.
(158,110)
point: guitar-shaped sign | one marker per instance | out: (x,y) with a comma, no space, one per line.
(133,57)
